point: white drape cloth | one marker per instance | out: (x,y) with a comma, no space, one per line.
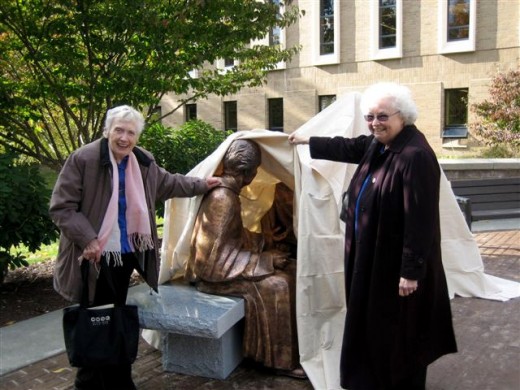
(318,186)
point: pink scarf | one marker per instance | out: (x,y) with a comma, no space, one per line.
(137,220)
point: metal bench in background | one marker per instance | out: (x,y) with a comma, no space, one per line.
(494,198)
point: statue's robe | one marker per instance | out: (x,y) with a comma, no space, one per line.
(227,259)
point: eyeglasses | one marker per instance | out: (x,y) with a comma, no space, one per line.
(380,117)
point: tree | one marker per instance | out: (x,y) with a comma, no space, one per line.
(499,124)
(24,217)
(180,150)
(65,62)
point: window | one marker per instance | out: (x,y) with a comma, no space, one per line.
(387,29)
(387,24)
(275,114)
(275,35)
(455,113)
(457,28)
(230,116)
(156,114)
(326,32)
(458,21)
(326,27)
(224,65)
(325,101)
(190,112)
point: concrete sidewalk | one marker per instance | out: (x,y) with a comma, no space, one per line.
(488,335)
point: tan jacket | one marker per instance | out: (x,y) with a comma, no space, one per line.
(79,201)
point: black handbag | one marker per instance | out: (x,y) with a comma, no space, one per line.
(102,335)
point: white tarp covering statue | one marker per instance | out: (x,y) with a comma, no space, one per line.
(318,186)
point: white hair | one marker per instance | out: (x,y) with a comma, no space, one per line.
(398,95)
(125,113)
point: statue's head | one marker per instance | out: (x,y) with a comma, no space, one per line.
(242,158)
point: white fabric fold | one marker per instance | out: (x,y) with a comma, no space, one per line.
(318,187)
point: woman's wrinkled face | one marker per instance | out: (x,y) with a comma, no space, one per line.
(122,137)
(384,121)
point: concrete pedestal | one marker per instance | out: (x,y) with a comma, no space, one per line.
(201,333)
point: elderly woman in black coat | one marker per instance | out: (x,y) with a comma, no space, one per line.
(398,311)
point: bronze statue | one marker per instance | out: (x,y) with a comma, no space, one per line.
(227,259)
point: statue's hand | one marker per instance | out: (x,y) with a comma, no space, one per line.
(280,260)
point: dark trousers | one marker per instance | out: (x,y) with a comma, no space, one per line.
(110,377)
(416,381)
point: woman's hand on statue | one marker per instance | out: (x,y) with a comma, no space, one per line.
(295,139)
(213,182)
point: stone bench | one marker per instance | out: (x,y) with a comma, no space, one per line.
(201,333)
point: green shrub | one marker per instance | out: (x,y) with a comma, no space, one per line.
(24,218)
(500,151)
(180,150)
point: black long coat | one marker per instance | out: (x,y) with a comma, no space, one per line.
(388,337)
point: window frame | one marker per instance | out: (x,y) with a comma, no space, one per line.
(454,130)
(222,67)
(270,116)
(156,114)
(265,41)
(226,111)
(187,108)
(321,99)
(325,59)
(460,46)
(390,52)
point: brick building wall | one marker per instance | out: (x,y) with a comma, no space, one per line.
(421,67)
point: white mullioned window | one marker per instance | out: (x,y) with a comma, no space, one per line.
(277,35)
(457,26)
(387,29)
(226,64)
(326,32)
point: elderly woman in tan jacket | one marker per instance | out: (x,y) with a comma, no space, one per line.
(104,205)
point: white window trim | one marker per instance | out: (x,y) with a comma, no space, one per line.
(327,59)
(466,45)
(282,64)
(265,41)
(392,52)
(221,65)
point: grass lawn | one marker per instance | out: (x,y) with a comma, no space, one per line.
(49,252)
(45,253)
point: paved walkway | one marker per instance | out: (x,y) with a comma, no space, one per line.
(488,336)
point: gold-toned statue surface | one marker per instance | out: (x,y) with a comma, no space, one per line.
(227,259)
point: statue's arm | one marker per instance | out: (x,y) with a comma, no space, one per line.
(220,251)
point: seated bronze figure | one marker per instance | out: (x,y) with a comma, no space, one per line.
(227,259)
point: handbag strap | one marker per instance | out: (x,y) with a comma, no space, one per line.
(85,266)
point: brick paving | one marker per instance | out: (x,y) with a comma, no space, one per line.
(488,336)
